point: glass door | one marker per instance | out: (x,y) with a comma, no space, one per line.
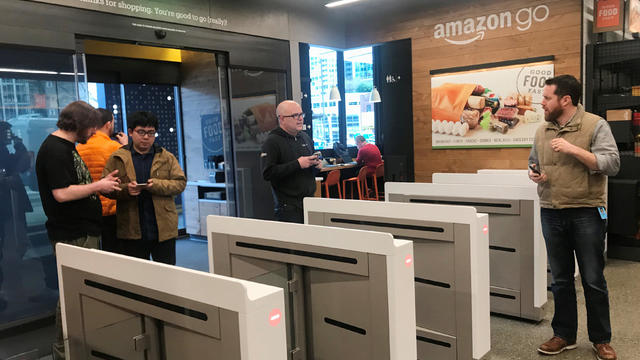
(34,86)
(254,97)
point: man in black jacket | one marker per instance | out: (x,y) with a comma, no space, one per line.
(288,162)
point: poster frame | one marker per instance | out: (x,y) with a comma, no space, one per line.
(488,66)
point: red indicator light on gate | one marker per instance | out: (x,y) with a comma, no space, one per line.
(485,229)
(274,317)
(408,260)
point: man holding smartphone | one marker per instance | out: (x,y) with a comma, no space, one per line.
(95,153)
(572,155)
(288,160)
(68,194)
(151,177)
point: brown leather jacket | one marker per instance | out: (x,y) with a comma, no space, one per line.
(168,181)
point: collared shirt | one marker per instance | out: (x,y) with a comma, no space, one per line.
(142,164)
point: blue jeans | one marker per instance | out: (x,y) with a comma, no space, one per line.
(579,230)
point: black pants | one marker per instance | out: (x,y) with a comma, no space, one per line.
(109,240)
(160,251)
(289,211)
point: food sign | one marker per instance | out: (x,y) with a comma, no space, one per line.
(608,15)
(488,108)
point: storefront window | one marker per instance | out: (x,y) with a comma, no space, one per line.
(324,76)
(359,117)
(358,74)
(34,86)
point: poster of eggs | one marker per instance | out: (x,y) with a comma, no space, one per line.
(489,107)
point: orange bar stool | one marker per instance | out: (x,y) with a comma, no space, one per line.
(360,181)
(333,179)
(379,176)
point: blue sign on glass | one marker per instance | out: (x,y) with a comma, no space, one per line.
(211,135)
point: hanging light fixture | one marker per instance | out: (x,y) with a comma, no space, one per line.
(374,96)
(334,95)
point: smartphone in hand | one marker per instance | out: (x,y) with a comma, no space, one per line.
(534,169)
(318,155)
(141,186)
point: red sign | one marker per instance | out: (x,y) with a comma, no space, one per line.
(608,15)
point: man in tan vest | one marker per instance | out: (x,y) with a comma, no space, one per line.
(572,155)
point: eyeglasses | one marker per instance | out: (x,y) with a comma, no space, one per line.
(147,133)
(295,116)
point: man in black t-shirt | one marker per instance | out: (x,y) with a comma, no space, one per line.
(68,196)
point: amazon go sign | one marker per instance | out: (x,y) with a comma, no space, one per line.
(462,32)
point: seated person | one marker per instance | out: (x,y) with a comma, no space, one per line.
(368,154)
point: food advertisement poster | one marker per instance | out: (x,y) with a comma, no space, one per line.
(634,16)
(253,118)
(493,107)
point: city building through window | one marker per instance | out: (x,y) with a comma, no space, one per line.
(359,118)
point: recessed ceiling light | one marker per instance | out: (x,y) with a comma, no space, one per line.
(341,2)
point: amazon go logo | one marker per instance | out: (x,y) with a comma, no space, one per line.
(462,32)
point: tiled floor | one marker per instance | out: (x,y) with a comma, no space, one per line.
(511,339)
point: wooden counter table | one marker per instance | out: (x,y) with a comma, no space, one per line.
(339,166)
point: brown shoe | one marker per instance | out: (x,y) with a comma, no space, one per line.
(604,352)
(556,345)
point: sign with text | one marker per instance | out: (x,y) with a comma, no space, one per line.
(187,12)
(488,108)
(466,31)
(608,15)
(212,143)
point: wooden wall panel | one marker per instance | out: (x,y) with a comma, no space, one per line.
(559,35)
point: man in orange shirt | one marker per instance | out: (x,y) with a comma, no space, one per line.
(95,153)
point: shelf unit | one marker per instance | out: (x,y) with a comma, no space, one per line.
(612,69)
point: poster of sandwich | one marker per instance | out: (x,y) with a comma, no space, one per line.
(488,108)
(253,118)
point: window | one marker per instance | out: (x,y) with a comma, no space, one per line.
(324,76)
(358,73)
(328,123)
(34,86)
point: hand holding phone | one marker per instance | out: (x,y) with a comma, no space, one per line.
(318,155)
(135,189)
(122,138)
(534,169)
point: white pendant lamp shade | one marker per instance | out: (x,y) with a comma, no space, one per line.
(374,96)
(334,95)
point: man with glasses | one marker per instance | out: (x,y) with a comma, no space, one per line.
(151,177)
(287,162)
